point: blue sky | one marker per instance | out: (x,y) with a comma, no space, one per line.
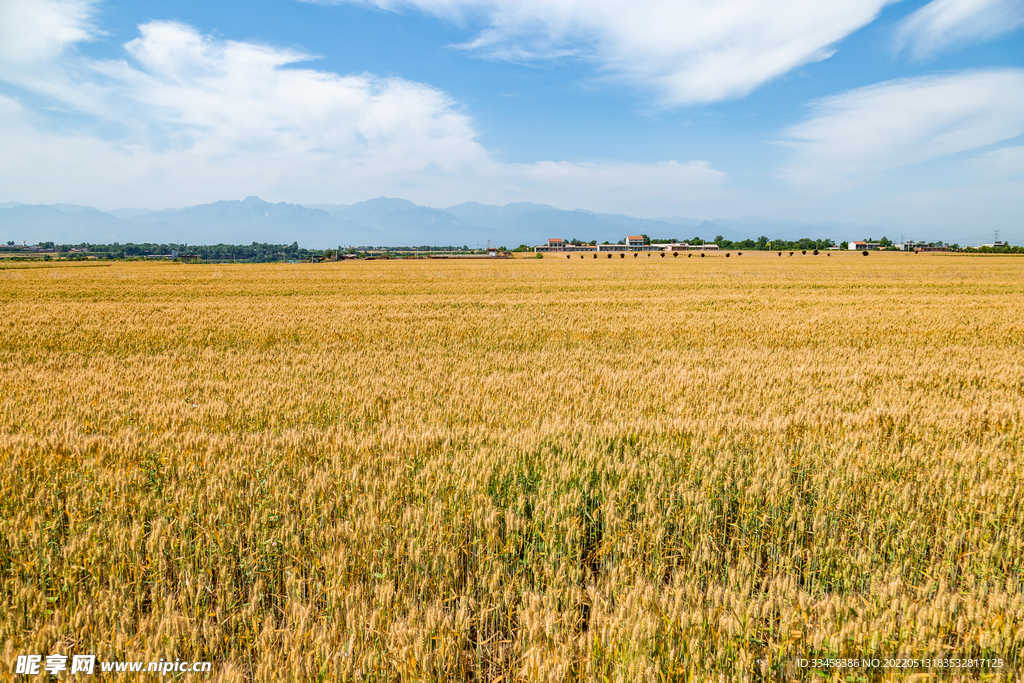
(904,113)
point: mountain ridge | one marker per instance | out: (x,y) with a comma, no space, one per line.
(385,221)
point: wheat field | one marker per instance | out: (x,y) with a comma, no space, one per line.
(642,469)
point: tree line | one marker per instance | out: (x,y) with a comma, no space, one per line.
(760,244)
(257,252)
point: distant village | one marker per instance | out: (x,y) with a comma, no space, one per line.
(269,253)
(642,243)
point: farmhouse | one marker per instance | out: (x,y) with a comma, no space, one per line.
(861,246)
(555,244)
(686,246)
(631,243)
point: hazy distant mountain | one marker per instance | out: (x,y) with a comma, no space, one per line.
(129,213)
(394,222)
(254,220)
(499,217)
(237,222)
(407,224)
(538,226)
(650,226)
(529,223)
(70,224)
(679,220)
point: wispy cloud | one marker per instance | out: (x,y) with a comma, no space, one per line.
(870,131)
(1006,162)
(187,117)
(687,51)
(944,23)
(34,33)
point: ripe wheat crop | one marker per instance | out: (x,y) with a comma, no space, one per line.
(540,470)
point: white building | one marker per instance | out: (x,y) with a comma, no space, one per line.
(557,244)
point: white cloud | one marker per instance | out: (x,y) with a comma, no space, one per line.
(37,46)
(870,131)
(1007,162)
(688,51)
(33,33)
(942,23)
(188,118)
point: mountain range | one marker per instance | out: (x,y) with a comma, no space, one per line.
(381,222)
